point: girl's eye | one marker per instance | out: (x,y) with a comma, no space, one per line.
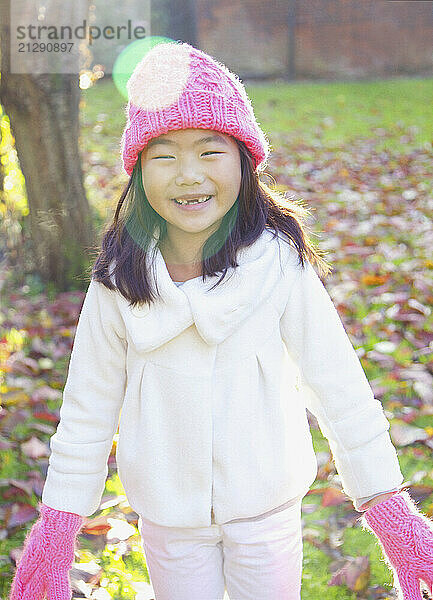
(208,152)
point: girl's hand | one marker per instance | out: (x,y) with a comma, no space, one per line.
(47,557)
(406,536)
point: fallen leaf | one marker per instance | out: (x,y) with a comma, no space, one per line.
(97,526)
(20,514)
(403,435)
(34,448)
(355,574)
(333,497)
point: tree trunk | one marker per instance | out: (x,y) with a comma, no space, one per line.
(43,112)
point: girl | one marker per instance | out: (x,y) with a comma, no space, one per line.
(212,374)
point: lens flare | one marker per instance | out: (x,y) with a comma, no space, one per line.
(129,58)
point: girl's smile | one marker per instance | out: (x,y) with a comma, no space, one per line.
(192,203)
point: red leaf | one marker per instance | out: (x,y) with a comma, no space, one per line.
(97,526)
(46,416)
(333,497)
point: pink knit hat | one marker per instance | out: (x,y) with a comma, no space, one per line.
(176,86)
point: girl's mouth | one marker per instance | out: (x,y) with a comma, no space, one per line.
(193,204)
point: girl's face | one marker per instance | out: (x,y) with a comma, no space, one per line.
(191,162)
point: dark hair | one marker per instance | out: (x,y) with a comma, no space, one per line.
(126,240)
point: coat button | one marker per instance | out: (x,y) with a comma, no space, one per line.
(140,310)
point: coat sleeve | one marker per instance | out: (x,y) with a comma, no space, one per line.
(337,391)
(92,399)
(358,502)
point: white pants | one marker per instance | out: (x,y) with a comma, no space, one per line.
(250,559)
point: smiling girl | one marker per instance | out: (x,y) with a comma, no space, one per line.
(206,327)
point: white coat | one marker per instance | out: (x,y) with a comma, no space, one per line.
(212,388)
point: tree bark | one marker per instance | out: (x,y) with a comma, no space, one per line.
(44,116)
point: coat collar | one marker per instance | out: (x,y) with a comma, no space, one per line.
(216,313)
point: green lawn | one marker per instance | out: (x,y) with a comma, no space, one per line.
(344,111)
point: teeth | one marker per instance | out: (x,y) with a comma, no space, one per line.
(197,200)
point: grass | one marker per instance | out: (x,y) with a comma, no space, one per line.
(347,111)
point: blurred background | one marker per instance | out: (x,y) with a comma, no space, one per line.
(292,39)
(344,91)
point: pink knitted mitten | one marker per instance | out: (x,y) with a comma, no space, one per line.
(47,557)
(406,536)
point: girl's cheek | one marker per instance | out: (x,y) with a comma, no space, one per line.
(231,165)
(221,169)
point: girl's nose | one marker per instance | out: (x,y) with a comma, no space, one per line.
(188,173)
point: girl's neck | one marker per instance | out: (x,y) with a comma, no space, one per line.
(182,263)
(182,273)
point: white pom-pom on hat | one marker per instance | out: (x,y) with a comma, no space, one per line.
(160,77)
